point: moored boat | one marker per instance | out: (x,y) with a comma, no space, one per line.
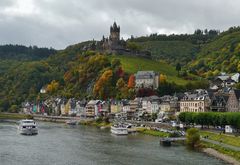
(71,122)
(119,130)
(27,127)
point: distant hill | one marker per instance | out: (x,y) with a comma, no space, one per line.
(180,48)
(19,52)
(171,51)
(220,55)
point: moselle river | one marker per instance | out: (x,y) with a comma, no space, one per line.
(59,144)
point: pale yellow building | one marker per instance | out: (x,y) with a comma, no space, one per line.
(197,104)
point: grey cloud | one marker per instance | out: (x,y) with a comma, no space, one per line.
(4,3)
(58,23)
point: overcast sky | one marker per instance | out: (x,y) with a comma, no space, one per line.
(59,23)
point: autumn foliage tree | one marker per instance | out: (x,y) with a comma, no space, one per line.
(120,72)
(52,87)
(120,83)
(103,86)
(122,89)
(68,76)
(131,81)
(162,79)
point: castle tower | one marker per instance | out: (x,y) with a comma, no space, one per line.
(114,32)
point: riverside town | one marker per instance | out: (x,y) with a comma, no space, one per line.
(119,83)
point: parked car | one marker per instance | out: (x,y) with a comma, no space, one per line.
(173,123)
(158,120)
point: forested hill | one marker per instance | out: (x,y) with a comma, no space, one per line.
(19,52)
(175,48)
(74,73)
(220,55)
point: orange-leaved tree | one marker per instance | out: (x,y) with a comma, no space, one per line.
(103,85)
(131,81)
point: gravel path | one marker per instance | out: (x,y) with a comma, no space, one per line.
(221,156)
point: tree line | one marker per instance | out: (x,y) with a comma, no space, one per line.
(211,119)
(199,36)
(20,52)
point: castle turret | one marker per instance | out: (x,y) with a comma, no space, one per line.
(115,32)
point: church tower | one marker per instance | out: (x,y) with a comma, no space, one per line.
(114,32)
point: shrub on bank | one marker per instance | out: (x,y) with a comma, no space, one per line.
(97,123)
(154,133)
(193,138)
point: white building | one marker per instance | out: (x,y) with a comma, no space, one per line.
(43,90)
(150,104)
(154,106)
(63,108)
(80,108)
(125,107)
(92,108)
(146,79)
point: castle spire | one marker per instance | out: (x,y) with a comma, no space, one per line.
(115,27)
(114,24)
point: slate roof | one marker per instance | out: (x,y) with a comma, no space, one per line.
(223,78)
(219,97)
(145,75)
(237,93)
(93,102)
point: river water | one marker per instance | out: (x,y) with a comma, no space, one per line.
(59,144)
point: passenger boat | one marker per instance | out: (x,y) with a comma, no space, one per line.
(119,130)
(71,122)
(27,127)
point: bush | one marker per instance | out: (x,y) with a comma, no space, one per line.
(106,120)
(193,138)
(29,117)
(99,120)
(13,109)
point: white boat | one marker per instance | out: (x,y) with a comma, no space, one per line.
(119,130)
(27,127)
(71,122)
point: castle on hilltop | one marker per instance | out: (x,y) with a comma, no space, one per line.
(114,45)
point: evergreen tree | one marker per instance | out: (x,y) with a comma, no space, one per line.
(178,68)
